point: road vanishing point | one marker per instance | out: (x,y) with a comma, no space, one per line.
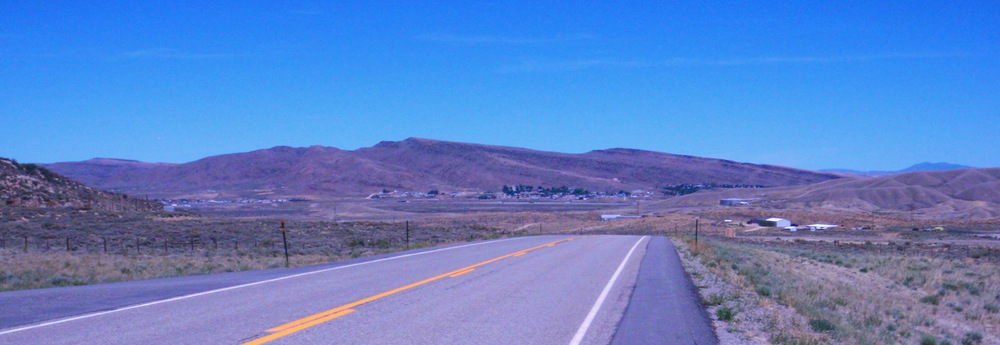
(527,290)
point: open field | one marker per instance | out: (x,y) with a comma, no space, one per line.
(57,247)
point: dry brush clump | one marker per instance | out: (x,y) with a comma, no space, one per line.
(857,295)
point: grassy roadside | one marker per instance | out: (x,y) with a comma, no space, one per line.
(41,270)
(52,248)
(739,315)
(849,295)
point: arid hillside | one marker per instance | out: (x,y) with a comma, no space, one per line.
(104,171)
(953,194)
(420,165)
(30,185)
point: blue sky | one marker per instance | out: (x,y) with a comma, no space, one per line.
(813,85)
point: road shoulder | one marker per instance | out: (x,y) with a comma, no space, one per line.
(664,307)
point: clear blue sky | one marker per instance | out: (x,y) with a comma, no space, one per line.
(839,84)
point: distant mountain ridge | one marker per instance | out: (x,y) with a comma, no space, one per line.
(925,166)
(417,164)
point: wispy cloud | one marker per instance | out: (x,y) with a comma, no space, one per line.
(508,40)
(579,64)
(167,53)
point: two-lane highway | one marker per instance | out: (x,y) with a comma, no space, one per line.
(534,290)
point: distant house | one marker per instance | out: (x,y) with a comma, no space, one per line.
(615,216)
(814,227)
(610,216)
(779,222)
(734,202)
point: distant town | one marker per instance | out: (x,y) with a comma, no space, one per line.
(523,192)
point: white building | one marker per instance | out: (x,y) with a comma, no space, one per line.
(615,216)
(814,227)
(780,222)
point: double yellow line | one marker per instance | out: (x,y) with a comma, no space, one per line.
(318,318)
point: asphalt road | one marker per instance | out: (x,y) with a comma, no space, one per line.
(533,290)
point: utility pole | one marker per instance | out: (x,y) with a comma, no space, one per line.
(284,239)
(407,235)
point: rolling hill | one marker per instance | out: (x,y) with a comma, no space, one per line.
(416,164)
(951,194)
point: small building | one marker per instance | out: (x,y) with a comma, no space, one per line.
(734,202)
(814,227)
(615,216)
(792,228)
(779,222)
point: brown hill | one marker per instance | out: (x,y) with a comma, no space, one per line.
(953,194)
(30,185)
(420,165)
(104,171)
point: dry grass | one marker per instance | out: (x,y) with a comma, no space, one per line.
(867,296)
(40,270)
(753,319)
(59,247)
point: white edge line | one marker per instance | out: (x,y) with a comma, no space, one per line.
(580,332)
(85,316)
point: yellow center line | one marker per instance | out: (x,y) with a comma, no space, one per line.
(300,327)
(318,318)
(461,273)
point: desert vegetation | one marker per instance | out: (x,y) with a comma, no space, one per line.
(897,293)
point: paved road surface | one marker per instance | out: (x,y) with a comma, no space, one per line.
(534,290)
